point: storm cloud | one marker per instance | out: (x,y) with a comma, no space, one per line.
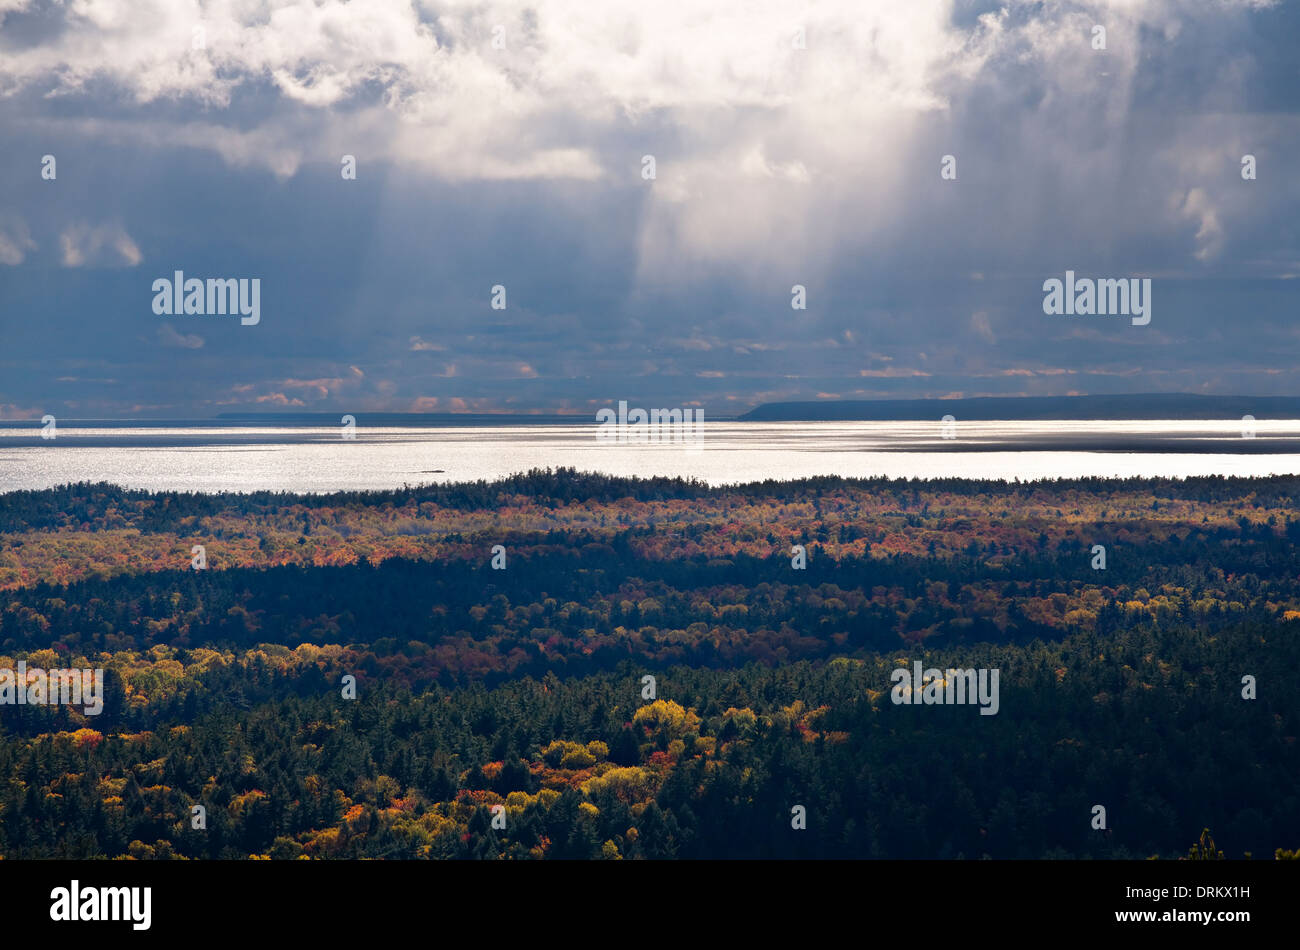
(504,145)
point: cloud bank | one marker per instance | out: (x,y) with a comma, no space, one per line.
(497,144)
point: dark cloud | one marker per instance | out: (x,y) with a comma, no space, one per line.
(523,168)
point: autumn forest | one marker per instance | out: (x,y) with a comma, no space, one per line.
(570,665)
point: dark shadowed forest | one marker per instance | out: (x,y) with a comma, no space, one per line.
(567,665)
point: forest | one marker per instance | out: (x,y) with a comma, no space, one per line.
(574,666)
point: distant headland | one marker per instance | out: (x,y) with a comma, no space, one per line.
(1026,408)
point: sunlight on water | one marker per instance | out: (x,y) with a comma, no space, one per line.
(319,459)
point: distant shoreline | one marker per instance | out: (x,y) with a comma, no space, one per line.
(1094,408)
(1132,407)
(551,483)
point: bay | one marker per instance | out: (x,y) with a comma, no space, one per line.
(212,458)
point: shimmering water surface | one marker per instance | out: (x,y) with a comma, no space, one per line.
(318,459)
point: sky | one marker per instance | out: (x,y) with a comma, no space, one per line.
(505,145)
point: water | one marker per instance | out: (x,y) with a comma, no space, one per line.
(320,460)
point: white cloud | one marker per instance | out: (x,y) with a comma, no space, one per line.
(1209,234)
(168,336)
(740,121)
(104,245)
(15,240)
